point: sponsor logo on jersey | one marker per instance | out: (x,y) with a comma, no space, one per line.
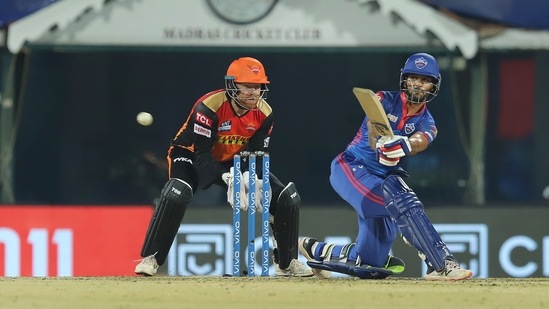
(200,130)
(232,139)
(392,118)
(225,126)
(266,142)
(409,128)
(203,119)
(182,159)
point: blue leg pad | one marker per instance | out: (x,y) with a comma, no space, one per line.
(407,211)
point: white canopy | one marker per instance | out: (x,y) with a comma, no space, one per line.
(291,23)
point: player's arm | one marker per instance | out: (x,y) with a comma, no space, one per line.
(391,149)
(426,133)
(201,129)
(399,146)
(203,143)
(260,140)
(418,143)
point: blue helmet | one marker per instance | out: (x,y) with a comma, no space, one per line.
(421,64)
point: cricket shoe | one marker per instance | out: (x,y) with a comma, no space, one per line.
(452,272)
(307,248)
(147,267)
(296,269)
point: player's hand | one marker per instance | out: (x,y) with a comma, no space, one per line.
(394,147)
(228,178)
(383,159)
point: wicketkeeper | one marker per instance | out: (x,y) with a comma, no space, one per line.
(223,123)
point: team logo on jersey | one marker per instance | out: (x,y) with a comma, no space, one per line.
(200,130)
(225,126)
(409,128)
(420,63)
(250,126)
(266,142)
(203,119)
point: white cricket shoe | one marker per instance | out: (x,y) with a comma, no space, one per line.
(296,269)
(306,247)
(452,272)
(147,267)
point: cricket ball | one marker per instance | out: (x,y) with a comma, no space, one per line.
(145,119)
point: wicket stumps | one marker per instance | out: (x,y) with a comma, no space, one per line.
(237,208)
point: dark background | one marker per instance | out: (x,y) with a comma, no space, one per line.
(79,142)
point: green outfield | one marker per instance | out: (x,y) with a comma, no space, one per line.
(226,293)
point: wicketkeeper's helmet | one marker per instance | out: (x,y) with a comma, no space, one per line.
(245,70)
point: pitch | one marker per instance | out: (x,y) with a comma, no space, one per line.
(269,292)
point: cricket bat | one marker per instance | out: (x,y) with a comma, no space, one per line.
(375,112)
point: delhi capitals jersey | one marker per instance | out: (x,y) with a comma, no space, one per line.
(395,105)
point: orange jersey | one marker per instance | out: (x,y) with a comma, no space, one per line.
(215,132)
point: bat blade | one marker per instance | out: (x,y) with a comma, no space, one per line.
(372,107)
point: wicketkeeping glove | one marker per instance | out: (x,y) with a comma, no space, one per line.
(258,191)
(228,178)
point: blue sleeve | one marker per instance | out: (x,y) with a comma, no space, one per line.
(428,127)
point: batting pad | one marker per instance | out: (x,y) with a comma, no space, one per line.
(407,211)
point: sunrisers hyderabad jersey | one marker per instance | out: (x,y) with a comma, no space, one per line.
(213,130)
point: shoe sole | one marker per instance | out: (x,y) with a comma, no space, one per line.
(444,278)
(144,273)
(288,273)
(319,273)
(294,275)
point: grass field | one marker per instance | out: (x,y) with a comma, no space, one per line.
(226,293)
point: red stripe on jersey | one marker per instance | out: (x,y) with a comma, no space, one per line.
(358,185)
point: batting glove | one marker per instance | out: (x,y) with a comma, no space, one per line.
(394,147)
(383,159)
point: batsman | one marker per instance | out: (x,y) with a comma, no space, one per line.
(223,123)
(368,176)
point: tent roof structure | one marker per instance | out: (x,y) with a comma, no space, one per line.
(355,23)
